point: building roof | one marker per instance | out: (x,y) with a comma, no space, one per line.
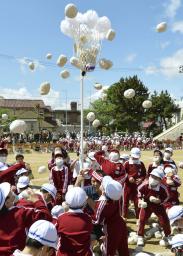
(19,103)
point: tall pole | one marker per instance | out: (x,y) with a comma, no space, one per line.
(66,110)
(82,128)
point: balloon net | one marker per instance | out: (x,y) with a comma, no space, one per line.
(87,46)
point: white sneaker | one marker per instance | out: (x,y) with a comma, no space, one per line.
(140,241)
(164,242)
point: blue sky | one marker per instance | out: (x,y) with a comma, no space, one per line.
(32,29)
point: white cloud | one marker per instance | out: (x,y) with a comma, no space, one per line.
(53,99)
(150,70)
(164,45)
(131,57)
(170,65)
(178,27)
(172,7)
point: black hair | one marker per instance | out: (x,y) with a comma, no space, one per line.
(158,151)
(33,243)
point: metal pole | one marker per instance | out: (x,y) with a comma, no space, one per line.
(82,128)
(66,112)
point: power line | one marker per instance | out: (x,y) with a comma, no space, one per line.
(54,65)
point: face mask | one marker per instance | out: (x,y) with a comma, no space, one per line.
(153,182)
(167,155)
(3,159)
(156,159)
(59,162)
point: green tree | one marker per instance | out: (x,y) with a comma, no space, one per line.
(163,108)
(128,113)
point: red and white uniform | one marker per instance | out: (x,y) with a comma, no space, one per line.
(172,190)
(60,178)
(161,192)
(137,171)
(74,230)
(108,213)
(14,223)
(8,175)
(113,169)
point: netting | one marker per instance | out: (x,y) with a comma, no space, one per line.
(87,47)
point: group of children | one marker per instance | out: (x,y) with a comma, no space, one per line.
(85,204)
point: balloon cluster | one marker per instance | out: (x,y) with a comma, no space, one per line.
(90,19)
(87,30)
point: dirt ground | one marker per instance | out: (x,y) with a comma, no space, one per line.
(37,159)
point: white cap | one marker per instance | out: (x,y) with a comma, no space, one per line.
(44,232)
(169,149)
(135,152)
(114,157)
(76,198)
(91,155)
(23,182)
(20,171)
(177,241)
(105,148)
(58,151)
(50,188)
(5,188)
(142,254)
(57,210)
(175,213)
(112,188)
(158,173)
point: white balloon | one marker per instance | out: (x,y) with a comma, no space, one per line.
(44,88)
(49,56)
(42,169)
(98,86)
(65,28)
(105,64)
(147,104)
(110,35)
(90,116)
(18,126)
(75,62)
(130,93)
(4,116)
(71,11)
(161,27)
(103,25)
(180,165)
(64,74)
(96,123)
(105,89)
(31,65)
(62,60)
(90,18)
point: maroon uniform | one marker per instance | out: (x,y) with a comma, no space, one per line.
(74,229)
(8,174)
(172,190)
(14,223)
(60,179)
(161,192)
(108,213)
(138,172)
(115,170)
